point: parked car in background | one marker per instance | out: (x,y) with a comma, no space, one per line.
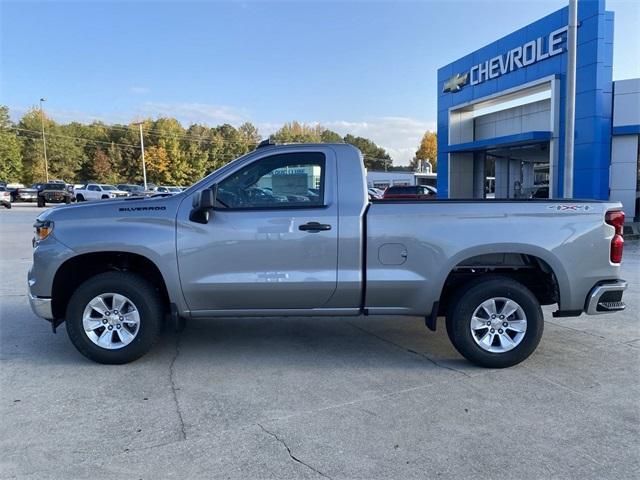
(541,191)
(25,194)
(53,192)
(132,189)
(5,197)
(410,192)
(167,189)
(98,191)
(375,193)
(12,188)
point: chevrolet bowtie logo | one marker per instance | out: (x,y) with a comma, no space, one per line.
(455,83)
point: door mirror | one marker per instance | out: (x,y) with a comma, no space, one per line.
(203,203)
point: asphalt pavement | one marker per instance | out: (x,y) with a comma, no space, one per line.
(297,398)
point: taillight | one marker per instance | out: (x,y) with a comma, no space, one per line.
(616,220)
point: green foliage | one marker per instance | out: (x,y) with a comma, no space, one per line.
(174,155)
(296,132)
(375,157)
(329,136)
(10,157)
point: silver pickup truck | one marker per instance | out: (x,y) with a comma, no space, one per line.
(289,230)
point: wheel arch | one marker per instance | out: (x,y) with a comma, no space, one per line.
(80,268)
(535,267)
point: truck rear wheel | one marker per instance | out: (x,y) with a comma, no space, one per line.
(79,198)
(41,202)
(495,322)
(114,317)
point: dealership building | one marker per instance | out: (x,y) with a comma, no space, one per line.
(501,116)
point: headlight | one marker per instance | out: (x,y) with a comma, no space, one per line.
(43,230)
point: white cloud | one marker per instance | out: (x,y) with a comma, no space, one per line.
(400,136)
(139,90)
(188,113)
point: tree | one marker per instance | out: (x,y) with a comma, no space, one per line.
(102,169)
(158,165)
(10,155)
(65,153)
(195,148)
(427,151)
(329,136)
(249,134)
(375,157)
(296,132)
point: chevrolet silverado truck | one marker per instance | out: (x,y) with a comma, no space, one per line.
(289,230)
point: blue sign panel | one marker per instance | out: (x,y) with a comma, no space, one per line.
(531,53)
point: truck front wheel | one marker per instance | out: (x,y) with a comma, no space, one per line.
(495,322)
(114,317)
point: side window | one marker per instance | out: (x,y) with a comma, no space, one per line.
(93,188)
(279,181)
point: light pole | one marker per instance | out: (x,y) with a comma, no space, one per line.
(44,140)
(144,166)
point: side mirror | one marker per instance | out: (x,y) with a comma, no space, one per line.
(203,203)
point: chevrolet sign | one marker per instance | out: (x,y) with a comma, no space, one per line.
(455,83)
(519,57)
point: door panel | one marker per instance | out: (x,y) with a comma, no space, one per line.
(259,258)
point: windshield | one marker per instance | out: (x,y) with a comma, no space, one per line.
(54,186)
(108,187)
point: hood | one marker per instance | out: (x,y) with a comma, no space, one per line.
(115,207)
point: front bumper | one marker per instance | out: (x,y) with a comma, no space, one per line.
(605,297)
(41,306)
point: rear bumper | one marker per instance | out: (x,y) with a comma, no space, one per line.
(605,297)
(41,306)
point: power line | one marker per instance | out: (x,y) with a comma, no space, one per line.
(77,138)
(176,135)
(90,140)
(131,145)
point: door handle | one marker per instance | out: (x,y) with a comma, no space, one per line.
(314,227)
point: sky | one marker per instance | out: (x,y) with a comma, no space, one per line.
(366,68)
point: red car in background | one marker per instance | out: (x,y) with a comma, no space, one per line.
(410,192)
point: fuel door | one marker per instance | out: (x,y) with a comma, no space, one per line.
(392,254)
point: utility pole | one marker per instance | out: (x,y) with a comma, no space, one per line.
(44,141)
(144,166)
(570,105)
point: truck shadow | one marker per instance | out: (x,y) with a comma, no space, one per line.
(319,342)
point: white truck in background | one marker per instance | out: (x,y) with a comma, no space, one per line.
(98,191)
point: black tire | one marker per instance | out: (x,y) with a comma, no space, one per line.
(142,294)
(79,198)
(469,297)
(67,200)
(105,197)
(41,202)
